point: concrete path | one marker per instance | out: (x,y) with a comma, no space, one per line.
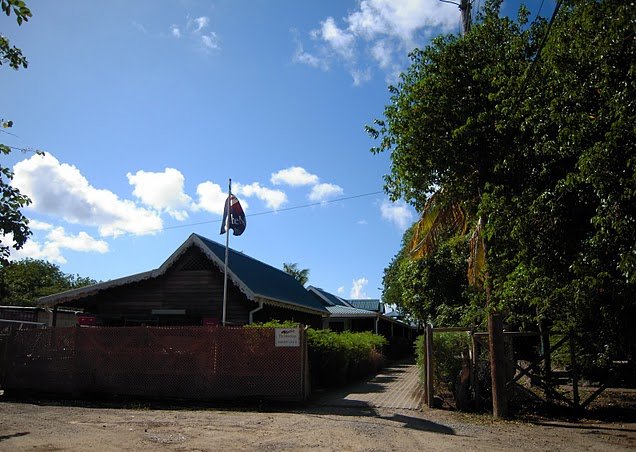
(396,387)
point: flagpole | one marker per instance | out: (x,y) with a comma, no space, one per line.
(227,246)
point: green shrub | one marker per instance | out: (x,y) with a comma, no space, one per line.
(336,359)
(447,359)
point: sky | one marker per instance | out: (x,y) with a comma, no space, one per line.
(146,109)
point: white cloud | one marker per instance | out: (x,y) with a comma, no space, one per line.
(176,31)
(210,41)
(300,56)
(212,198)
(39,225)
(323,192)
(357,290)
(360,76)
(139,27)
(398,213)
(81,242)
(200,23)
(294,176)
(339,40)
(362,222)
(161,191)
(57,240)
(382,52)
(273,199)
(60,189)
(385,30)
(341,290)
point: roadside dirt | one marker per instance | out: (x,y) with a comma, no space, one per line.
(54,425)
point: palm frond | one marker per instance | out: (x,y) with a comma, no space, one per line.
(477,257)
(438,219)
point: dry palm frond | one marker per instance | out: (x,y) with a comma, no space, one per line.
(438,219)
(477,257)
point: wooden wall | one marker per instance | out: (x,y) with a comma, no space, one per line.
(193,284)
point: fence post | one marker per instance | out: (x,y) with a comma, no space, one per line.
(429,364)
(575,374)
(546,353)
(474,381)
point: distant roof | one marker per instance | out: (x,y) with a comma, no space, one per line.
(394,314)
(327,299)
(257,280)
(346,311)
(368,304)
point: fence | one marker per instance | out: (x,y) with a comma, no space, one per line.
(465,368)
(187,362)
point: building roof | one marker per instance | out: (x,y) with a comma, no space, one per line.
(349,312)
(368,304)
(259,282)
(327,299)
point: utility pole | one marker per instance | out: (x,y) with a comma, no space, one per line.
(466,8)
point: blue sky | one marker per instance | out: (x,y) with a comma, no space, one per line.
(146,108)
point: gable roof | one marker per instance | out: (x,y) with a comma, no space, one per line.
(337,307)
(259,282)
(328,299)
(368,304)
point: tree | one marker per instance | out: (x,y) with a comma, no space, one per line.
(13,224)
(433,288)
(441,130)
(569,256)
(532,146)
(24,281)
(302,276)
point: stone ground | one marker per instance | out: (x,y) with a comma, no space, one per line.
(382,414)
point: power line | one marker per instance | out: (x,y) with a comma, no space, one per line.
(267,212)
(530,70)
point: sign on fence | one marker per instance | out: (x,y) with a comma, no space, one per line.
(287,337)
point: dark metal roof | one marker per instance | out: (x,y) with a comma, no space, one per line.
(370,305)
(257,280)
(263,280)
(327,299)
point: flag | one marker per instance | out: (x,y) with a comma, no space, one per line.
(237,217)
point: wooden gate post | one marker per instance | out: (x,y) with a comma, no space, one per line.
(429,365)
(474,360)
(498,374)
(546,353)
(575,372)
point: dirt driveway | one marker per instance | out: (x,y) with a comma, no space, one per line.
(364,418)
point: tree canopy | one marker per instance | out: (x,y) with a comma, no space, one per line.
(13,224)
(530,127)
(24,281)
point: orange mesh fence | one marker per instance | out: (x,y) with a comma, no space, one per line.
(181,362)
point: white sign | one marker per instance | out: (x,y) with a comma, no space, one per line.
(287,337)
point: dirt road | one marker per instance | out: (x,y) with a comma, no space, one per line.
(32,427)
(382,414)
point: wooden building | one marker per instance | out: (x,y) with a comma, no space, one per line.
(361,315)
(187,289)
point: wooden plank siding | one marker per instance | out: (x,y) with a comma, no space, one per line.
(193,284)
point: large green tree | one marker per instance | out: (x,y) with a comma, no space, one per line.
(13,224)
(23,282)
(538,142)
(569,229)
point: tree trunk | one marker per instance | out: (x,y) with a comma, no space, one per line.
(497,365)
(497,353)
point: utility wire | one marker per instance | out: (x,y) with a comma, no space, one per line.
(530,72)
(267,212)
